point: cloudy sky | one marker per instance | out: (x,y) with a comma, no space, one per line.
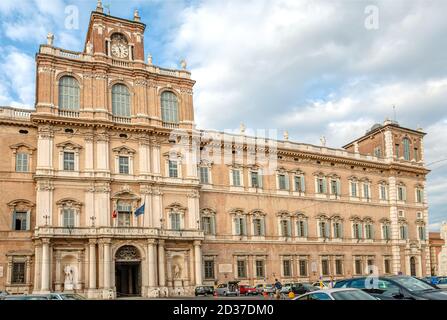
(313,68)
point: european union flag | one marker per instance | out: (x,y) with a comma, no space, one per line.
(139,211)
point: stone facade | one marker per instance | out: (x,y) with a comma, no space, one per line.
(78,166)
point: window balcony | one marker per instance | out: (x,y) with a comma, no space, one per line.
(68,114)
(170,125)
(120,119)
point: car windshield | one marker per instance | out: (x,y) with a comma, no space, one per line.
(442,281)
(352,295)
(413,284)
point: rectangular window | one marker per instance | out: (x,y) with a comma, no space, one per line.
(325,267)
(366,191)
(20,221)
(68,218)
(386,232)
(69,162)
(368,231)
(303,268)
(254,179)
(358,266)
(282,182)
(419,195)
(377,152)
(236,178)
(421,230)
(175,221)
(302,228)
(299,183)
(370,262)
(287,268)
(338,266)
(204,175)
(241,269)
(387,263)
(321,187)
(382,192)
(353,189)
(206,225)
(403,232)
(173,169)
(123,165)
(401,193)
(396,150)
(357,229)
(124,213)
(22,162)
(285,230)
(258,227)
(334,189)
(416,154)
(18,273)
(337,230)
(260,271)
(209,269)
(240,226)
(323,229)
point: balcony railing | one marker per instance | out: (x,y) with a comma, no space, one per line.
(139,232)
(15,113)
(121,63)
(119,119)
(68,113)
(170,125)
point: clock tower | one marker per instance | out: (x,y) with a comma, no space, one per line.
(113,37)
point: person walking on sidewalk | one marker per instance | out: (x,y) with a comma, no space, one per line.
(278,287)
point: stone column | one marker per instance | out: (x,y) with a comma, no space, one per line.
(155,157)
(45,286)
(57,284)
(198,262)
(107,268)
(157,208)
(193,210)
(161,263)
(92,265)
(395,249)
(152,263)
(146,192)
(37,266)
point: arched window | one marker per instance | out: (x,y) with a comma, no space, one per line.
(69,94)
(169,107)
(120,101)
(406,143)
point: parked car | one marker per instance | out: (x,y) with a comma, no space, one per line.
(64,296)
(298,288)
(260,288)
(336,294)
(247,290)
(442,283)
(395,287)
(26,297)
(3,294)
(228,289)
(204,290)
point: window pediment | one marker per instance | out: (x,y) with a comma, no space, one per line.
(69,145)
(69,203)
(319,174)
(237,211)
(257,212)
(124,150)
(21,204)
(336,217)
(300,215)
(176,207)
(322,216)
(355,218)
(385,221)
(283,214)
(125,194)
(353,178)
(207,212)
(22,145)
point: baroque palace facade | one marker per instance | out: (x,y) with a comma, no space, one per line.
(112,132)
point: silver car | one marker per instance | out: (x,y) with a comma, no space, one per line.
(336,294)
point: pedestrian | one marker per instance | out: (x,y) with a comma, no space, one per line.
(278,287)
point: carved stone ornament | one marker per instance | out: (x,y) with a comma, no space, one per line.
(127,253)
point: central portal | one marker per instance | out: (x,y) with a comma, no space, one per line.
(128,272)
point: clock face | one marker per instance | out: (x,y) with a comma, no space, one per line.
(120,50)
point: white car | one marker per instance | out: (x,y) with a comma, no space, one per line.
(336,294)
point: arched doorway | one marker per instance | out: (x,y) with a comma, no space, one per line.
(413,266)
(128,271)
